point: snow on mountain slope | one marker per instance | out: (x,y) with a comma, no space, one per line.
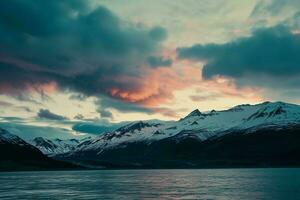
(203,125)
(17,154)
(55,146)
(243,117)
(134,131)
(8,138)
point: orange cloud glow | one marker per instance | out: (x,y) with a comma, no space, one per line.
(157,86)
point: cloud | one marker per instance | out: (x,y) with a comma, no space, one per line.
(268,13)
(93,128)
(123,106)
(24,108)
(169,111)
(104,113)
(79,117)
(29,132)
(206,97)
(267,58)
(5,104)
(46,114)
(78,97)
(159,62)
(28,128)
(26,98)
(87,50)
(72,46)
(158,86)
(274,7)
(151,91)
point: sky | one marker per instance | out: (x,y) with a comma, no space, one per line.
(76,67)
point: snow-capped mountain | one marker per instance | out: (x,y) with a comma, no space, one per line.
(204,125)
(8,138)
(55,146)
(199,137)
(16,154)
(266,134)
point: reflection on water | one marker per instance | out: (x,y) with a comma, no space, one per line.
(153,184)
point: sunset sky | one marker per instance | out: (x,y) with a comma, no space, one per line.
(97,63)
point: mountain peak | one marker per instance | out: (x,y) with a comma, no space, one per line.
(39,139)
(133,126)
(194,113)
(6,136)
(275,103)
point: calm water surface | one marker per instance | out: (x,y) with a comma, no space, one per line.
(153,184)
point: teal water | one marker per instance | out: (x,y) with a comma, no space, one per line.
(153,184)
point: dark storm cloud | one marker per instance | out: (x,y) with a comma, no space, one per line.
(93,128)
(159,62)
(158,33)
(46,114)
(268,56)
(104,113)
(125,107)
(80,48)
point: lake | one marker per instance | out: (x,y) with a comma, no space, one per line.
(153,184)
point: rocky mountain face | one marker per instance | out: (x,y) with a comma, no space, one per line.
(16,154)
(55,146)
(265,134)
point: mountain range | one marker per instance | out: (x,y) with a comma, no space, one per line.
(52,147)
(17,154)
(261,135)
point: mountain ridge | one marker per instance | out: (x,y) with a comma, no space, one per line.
(16,154)
(54,146)
(197,128)
(242,136)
